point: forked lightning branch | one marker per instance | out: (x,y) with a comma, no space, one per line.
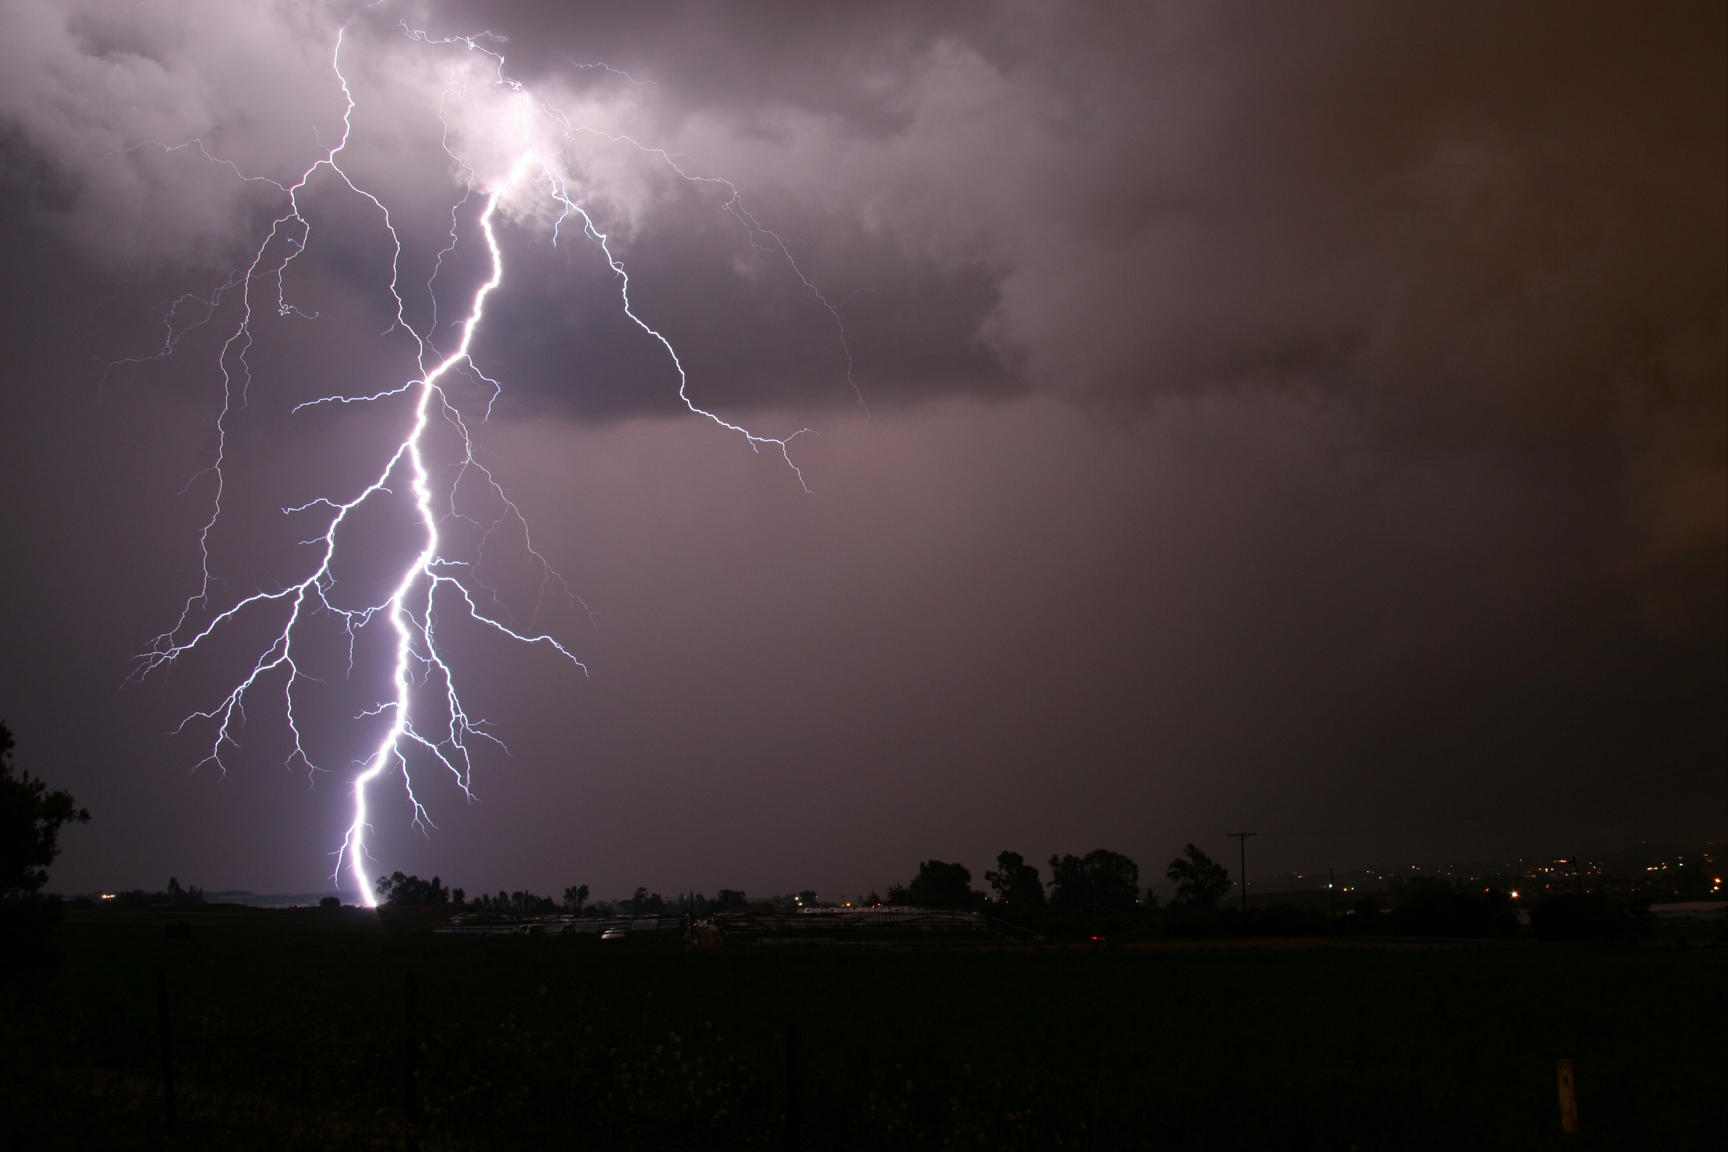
(426,726)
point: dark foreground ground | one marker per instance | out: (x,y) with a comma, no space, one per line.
(306,1029)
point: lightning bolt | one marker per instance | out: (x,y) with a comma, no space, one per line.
(425,720)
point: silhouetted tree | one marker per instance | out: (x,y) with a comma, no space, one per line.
(728,898)
(30,821)
(405,891)
(179,895)
(941,885)
(1015,882)
(525,902)
(1099,879)
(807,898)
(575,897)
(1200,881)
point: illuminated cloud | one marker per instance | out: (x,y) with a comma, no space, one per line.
(1312,407)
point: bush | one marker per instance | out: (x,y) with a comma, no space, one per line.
(1439,912)
(1592,916)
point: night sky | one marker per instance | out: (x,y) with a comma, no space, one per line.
(1307,419)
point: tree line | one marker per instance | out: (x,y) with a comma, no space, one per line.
(1100,881)
(402,890)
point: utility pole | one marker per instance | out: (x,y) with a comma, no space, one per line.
(1242,839)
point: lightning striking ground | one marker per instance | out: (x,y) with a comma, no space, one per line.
(425,723)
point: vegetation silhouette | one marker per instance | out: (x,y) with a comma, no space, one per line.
(1434,907)
(1103,880)
(1015,883)
(1592,916)
(939,884)
(31,817)
(402,891)
(30,821)
(1200,881)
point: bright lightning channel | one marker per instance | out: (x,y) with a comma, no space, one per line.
(429,577)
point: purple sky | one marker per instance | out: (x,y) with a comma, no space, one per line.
(1307,419)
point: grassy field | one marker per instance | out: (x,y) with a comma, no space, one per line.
(295,1030)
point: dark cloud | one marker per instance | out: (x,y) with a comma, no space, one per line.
(1310,417)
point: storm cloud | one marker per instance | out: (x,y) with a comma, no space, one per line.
(1308,417)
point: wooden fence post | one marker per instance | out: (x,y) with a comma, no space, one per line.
(793,1136)
(1568,1097)
(165,1041)
(410,1051)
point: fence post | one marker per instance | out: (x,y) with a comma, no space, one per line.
(1568,1097)
(165,1042)
(410,1050)
(794,1135)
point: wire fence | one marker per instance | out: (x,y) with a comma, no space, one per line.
(180,1072)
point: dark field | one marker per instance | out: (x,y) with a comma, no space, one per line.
(292,1030)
